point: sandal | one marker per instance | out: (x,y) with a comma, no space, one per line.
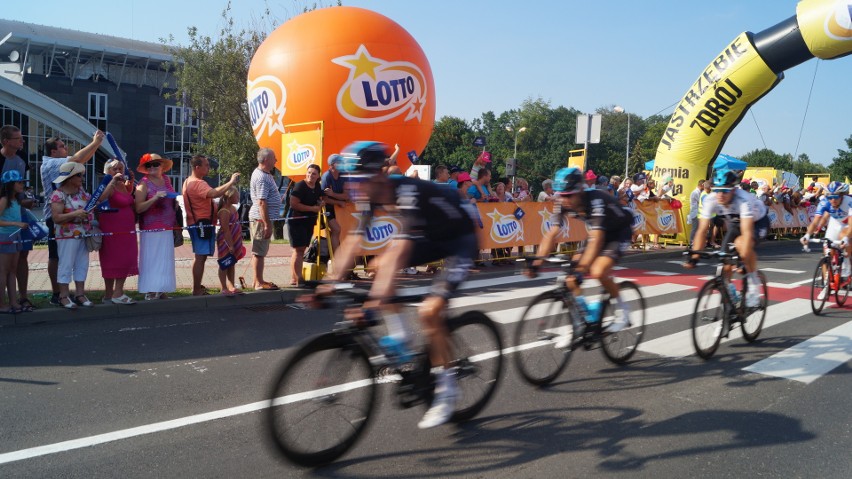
(83,302)
(228,293)
(69,305)
(150,296)
(27,306)
(163,296)
(267,286)
(12,310)
(123,299)
(202,291)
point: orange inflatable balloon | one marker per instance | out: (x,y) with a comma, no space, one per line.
(358,72)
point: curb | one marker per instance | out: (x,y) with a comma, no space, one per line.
(284,296)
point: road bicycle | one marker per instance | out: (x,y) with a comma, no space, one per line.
(828,275)
(717,311)
(325,395)
(552,327)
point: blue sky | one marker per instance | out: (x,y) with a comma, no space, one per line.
(491,55)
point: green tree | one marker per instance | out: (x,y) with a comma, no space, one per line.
(841,165)
(212,72)
(803,165)
(765,157)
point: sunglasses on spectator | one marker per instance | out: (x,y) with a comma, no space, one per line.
(721,190)
(833,197)
(153,164)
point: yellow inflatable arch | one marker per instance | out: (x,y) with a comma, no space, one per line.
(748,68)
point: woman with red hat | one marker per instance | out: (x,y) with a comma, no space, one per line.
(155,203)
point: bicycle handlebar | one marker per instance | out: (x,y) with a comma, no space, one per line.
(831,243)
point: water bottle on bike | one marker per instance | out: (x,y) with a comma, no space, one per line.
(590,311)
(396,349)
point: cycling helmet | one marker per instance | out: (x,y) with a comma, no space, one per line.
(11,176)
(837,188)
(725,178)
(364,157)
(568,180)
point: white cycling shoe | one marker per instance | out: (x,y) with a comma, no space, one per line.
(822,293)
(620,322)
(442,409)
(752,299)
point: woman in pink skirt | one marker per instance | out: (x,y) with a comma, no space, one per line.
(119,251)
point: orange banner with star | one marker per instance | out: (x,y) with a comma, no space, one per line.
(656,218)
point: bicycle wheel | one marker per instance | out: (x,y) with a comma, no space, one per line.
(620,346)
(543,339)
(323,400)
(477,361)
(708,320)
(753,318)
(821,285)
(842,292)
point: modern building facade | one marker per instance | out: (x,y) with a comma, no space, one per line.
(123,86)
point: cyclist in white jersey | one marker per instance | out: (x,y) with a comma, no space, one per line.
(833,212)
(747,224)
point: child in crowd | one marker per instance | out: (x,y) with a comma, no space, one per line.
(230,239)
(10,227)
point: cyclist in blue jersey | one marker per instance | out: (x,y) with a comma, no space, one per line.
(610,233)
(747,222)
(434,224)
(833,213)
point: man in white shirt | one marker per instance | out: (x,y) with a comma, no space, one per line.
(693,209)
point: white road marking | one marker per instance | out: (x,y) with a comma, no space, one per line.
(662,273)
(773,284)
(778,270)
(679,344)
(810,359)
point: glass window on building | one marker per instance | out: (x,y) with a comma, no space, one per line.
(180,130)
(98,110)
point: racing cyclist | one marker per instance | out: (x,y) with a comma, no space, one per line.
(747,222)
(610,234)
(834,210)
(434,225)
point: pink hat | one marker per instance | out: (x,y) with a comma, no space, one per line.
(463,176)
(485,157)
(590,175)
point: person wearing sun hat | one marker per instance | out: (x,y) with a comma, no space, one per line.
(72,221)
(482,161)
(155,204)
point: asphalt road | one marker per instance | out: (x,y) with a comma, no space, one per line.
(184,395)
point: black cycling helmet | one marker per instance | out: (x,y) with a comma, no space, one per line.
(725,178)
(568,180)
(364,157)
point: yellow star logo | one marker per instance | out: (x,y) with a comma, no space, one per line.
(363,64)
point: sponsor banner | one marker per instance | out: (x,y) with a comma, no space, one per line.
(502,229)
(656,218)
(298,150)
(780,218)
(763,176)
(826,26)
(715,102)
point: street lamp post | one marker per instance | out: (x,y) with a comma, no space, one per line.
(619,109)
(515,156)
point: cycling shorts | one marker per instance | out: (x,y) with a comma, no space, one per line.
(761,229)
(458,255)
(615,243)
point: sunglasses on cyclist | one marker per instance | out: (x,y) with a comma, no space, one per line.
(721,190)
(833,197)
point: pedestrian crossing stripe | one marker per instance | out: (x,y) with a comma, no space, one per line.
(810,359)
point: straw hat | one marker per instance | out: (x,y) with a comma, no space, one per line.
(67,170)
(151,158)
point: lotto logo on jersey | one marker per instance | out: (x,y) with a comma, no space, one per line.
(505,228)
(378,90)
(299,156)
(266,104)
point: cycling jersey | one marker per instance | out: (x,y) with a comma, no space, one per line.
(426,210)
(837,217)
(742,205)
(601,211)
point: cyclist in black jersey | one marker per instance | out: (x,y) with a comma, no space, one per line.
(433,224)
(610,233)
